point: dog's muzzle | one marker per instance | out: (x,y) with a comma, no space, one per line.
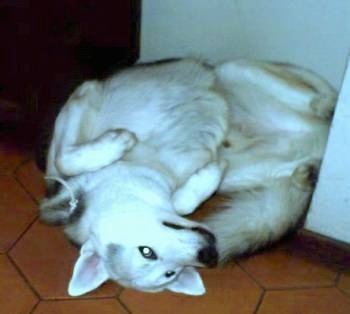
(208,255)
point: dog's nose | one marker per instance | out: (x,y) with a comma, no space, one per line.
(208,256)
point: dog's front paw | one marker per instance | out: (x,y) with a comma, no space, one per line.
(126,138)
(121,138)
(184,205)
(199,187)
(114,143)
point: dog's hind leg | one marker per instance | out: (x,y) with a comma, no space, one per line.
(75,148)
(256,217)
(199,187)
(284,96)
(324,99)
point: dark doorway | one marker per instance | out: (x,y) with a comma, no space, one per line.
(49,47)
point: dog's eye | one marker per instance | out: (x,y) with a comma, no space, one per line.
(147,252)
(170,273)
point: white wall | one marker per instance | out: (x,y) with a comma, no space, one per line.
(329,213)
(312,33)
(204,28)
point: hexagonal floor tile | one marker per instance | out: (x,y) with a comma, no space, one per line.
(105,306)
(282,268)
(32,178)
(344,283)
(15,295)
(229,290)
(320,301)
(47,258)
(17,211)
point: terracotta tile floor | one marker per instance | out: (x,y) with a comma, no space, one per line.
(301,275)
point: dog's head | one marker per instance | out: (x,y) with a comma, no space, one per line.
(133,237)
(147,254)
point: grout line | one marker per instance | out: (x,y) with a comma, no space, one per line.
(300,288)
(34,307)
(259,285)
(343,293)
(25,160)
(21,235)
(17,179)
(262,296)
(337,278)
(26,280)
(72,299)
(121,301)
(34,219)
(290,287)
(251,276)
(119,292)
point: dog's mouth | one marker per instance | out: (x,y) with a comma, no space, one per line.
(207,256)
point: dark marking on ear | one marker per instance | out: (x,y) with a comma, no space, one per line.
(57,213)
(52,188)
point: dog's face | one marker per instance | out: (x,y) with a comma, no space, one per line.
(148,254)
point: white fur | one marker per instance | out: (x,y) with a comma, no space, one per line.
(153,142)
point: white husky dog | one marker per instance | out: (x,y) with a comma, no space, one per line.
(132,154)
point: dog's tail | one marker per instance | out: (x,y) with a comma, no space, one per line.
(251,219)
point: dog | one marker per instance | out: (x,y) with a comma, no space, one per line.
(131,155)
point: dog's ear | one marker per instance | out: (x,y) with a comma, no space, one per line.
(188,282)
(89,271)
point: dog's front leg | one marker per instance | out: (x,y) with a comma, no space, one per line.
(199,187)
(93,155)
(75,149)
